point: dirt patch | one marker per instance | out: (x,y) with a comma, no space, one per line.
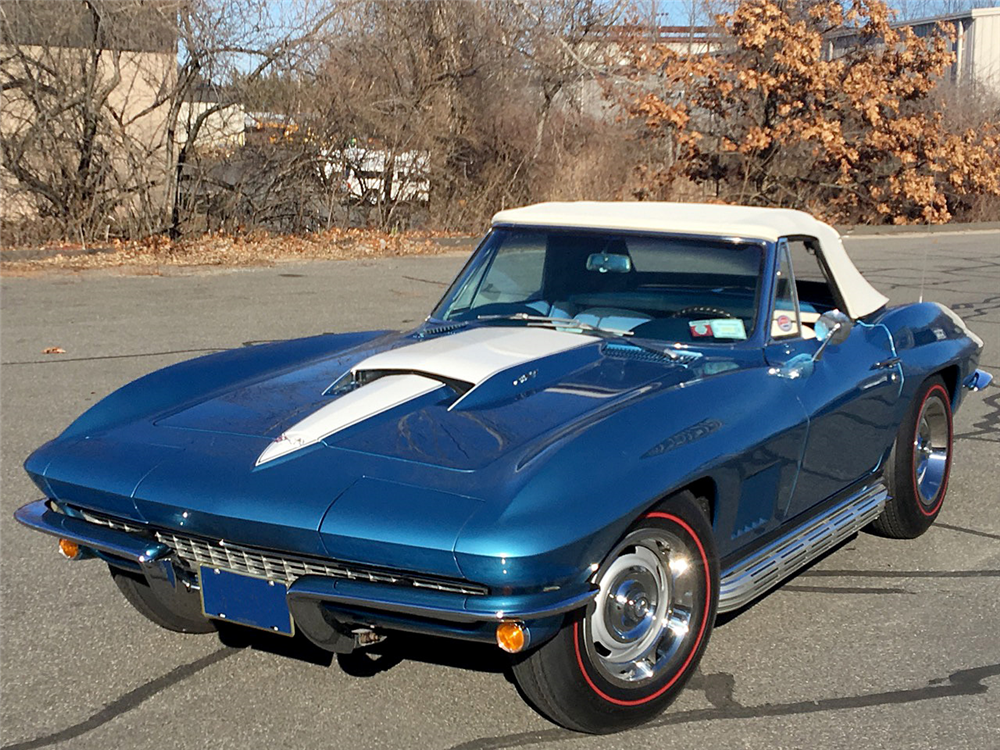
(159,255)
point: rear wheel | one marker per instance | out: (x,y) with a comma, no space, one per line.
(628,656)
(182,614)
(919,464)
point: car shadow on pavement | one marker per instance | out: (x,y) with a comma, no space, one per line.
(297,647)
(402,647)
(375,659)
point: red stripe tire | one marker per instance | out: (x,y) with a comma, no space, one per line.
(628,656)
(919,465)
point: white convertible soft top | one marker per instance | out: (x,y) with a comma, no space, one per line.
(860,297)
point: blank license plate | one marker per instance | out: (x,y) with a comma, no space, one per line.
(245,600)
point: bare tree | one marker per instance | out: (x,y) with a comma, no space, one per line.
(97,130)
(913,9)
(239,42)
(79,146)
(471,89)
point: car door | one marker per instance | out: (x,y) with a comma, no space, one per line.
(848,395)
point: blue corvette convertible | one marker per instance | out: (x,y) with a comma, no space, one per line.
(621,420)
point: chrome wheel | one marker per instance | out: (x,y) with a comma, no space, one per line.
(930,450)
(628,655)
(917,470)
(642,619)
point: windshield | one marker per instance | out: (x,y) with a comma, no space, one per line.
(659,287)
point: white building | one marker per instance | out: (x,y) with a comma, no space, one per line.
(222,129)
(976,46)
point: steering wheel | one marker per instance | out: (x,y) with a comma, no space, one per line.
(701,310)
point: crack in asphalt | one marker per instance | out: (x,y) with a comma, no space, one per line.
(898,574)
(131,700)
(988,426)
(961,683)
(426,281)
(55,358)
(977,309)
(842,589)
(962,529)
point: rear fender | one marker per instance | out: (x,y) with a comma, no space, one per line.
(930,338)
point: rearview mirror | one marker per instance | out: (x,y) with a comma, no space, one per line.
(609,263)
(832,329)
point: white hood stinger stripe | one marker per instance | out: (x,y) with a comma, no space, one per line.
(412,371)
(473,356)
(351,408)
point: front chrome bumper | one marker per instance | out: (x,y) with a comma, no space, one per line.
(436,605)
(389,599)
(40,517)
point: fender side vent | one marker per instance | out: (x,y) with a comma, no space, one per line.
(627,351)
(764,569)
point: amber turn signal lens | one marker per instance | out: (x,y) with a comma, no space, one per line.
(512,636)
(69,550)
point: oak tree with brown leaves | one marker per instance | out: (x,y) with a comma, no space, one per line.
(768,119)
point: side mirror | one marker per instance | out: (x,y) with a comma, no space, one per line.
(832,329)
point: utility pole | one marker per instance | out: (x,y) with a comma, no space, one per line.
(692,17)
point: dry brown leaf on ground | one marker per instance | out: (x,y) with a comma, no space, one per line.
(254,249)
(53,350)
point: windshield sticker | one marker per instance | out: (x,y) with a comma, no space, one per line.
(719,328)
(784,323)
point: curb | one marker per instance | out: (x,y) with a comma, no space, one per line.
(40,253)
(877,230)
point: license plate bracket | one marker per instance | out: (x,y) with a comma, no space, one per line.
(246,600)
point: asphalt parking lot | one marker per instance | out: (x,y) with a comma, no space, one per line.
(882,644)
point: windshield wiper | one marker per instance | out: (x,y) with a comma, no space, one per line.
(545,320)
(572,324)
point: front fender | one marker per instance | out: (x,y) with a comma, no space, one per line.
(584,493)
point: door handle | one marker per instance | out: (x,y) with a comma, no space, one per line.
(886,364)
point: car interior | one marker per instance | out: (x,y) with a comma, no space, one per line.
(666,288)
(814,292)
(655,287)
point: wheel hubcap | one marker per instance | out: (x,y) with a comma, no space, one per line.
(930,450)
(644,607)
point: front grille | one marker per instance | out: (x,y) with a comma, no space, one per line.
(194,552)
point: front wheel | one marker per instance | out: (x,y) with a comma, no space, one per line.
(182,614)
(919,464)
(628,656)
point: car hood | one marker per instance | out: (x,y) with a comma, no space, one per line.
(457,402)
